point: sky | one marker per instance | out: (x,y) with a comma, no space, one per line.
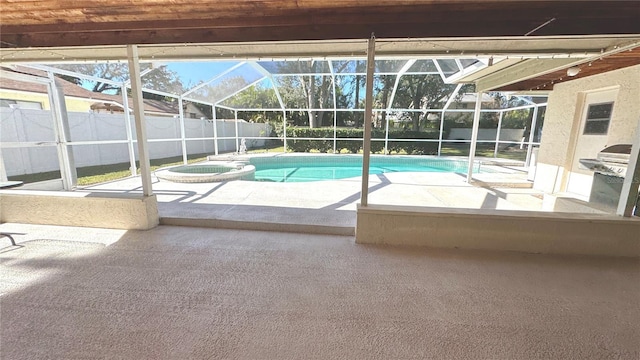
(191,73)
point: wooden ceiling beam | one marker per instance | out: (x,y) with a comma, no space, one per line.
(244,34)
(263,33)
(119,19)
(110,22)
(213,15)
(240,7)
(309,19)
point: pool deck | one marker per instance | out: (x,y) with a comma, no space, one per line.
(327,207)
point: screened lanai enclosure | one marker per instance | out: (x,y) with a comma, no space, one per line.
(420,106)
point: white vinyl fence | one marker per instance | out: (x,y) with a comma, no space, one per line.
(28,138)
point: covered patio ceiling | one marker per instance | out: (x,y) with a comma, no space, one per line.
(116,22)
(532,42)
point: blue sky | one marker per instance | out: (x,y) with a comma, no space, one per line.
(191,73)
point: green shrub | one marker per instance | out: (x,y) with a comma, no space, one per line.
(297,140)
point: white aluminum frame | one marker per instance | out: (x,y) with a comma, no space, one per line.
(266,75)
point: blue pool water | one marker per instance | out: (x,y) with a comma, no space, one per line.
(334,167)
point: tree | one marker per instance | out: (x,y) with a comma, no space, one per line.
(384,88)
(257,97)
(160,78)
(71,79)
(310,91)
(514,119)
(109,71)
(421,92)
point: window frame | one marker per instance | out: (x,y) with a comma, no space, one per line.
(588,120)
(28,103)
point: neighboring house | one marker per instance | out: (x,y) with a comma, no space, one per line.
(151,108)
(27,95)
(468,101)
(191,111)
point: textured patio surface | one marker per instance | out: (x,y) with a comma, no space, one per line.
(195,293)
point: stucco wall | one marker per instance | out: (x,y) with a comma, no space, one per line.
(557,159)
(531,232)
(72,104)
(14,95)
(114,211)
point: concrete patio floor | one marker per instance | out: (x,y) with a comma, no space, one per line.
(197,293)
(322,206)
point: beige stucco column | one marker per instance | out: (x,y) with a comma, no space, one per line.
(629,194)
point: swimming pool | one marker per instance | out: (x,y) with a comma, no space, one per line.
(211,171)
(335,167)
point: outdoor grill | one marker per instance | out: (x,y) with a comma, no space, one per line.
(609,169)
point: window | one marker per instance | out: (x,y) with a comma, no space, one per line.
(598,117)
(22,104)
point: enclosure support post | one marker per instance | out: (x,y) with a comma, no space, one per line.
(127,125)
(284,129)
(453,95)
(629,194)
(335,106)
(182,130)
(495,150)
(441,131)
(3,172)
(335,131)
(215,131)
(366,141)
(474,135)
(386,133)
(138,112)
(63,135)
(532,131)
(235,116)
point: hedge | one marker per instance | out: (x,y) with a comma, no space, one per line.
(355,146)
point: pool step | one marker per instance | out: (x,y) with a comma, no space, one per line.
(493,180)
(522,184)
(260,226)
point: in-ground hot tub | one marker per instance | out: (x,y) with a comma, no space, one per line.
(211,171)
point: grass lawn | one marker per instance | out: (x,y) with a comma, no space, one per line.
(96,174)
(277,149)
(484,150)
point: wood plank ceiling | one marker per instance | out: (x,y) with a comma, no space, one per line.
(36,23)
(49,24)
(547,81)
